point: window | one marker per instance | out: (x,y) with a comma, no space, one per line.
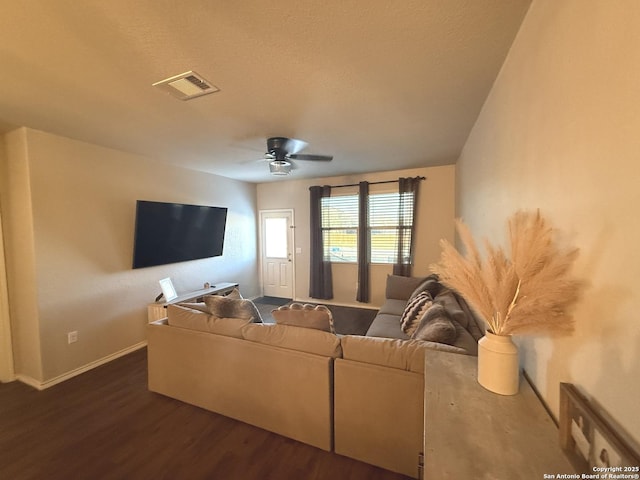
(340,228)
(275,236)
(389,217)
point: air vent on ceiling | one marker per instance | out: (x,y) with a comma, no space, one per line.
(186,86)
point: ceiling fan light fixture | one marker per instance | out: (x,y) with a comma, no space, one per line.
(280,167)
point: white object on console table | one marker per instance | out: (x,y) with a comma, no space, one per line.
(157,310)
(473,433)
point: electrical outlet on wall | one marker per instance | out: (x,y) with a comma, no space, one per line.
(72,337)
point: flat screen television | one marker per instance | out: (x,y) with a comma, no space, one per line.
(174,232)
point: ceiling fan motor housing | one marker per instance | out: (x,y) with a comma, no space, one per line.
(276,143)
(281,150)
(281,147)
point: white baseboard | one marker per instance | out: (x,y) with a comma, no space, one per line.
(10,378)
(32,382)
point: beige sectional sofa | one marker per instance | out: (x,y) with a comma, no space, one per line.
(266,379)
(361,397)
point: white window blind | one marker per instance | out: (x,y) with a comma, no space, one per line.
(340,228)
(388,218)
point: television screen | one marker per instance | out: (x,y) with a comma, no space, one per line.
(173,232)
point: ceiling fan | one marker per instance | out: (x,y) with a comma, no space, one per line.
(281,151)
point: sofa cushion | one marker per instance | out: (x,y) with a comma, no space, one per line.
(400,287)
(308,340)
(387,352)
(185,317)
(436,326)
(412,315)
(387,326)
(308,316)
(226,307)
(393,306)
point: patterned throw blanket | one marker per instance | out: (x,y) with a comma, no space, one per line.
(438,314)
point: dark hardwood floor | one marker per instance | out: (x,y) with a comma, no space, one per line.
(105,424)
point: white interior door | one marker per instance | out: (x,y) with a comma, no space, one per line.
(276,233)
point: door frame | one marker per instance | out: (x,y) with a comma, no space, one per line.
(288,211)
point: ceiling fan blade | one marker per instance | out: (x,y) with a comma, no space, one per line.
(314,158)
(293,146)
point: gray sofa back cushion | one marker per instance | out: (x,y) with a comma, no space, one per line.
(401,288)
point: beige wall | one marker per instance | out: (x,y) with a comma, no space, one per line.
(435,221)
(71,209)
(6,343)
(17,221)
(559,132)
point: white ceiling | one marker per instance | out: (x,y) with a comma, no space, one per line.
(378,84)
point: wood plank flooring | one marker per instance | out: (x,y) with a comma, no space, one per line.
(105,424)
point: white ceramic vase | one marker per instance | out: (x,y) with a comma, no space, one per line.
(498,365)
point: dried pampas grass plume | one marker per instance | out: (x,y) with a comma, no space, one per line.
(530,291)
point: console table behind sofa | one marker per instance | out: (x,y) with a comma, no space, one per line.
(158,310)
(473,433)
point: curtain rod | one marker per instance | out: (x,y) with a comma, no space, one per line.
(372,183)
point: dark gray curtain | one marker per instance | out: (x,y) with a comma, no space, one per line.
(320,281)
(364,246)
(405,249)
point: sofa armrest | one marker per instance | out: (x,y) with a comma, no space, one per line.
(378,415)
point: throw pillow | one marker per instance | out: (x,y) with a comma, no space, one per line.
(414,311)
(308,316)
(436,326)
(235,293)
(225,307)
(185,317)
